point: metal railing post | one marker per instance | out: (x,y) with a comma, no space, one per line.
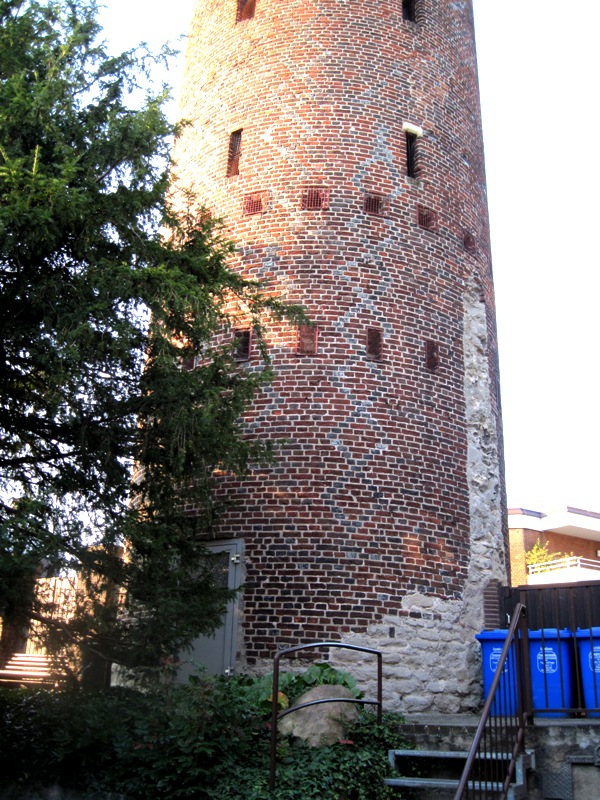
(500,731)
(276,716)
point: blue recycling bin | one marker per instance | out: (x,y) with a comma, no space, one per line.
(492,643)
(588,643)
(552,673)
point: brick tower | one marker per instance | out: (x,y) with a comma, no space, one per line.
(341,142)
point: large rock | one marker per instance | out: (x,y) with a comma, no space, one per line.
(322,724)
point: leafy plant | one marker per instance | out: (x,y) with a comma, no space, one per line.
(292,685)
(352,769)
(540,553)
(208,740)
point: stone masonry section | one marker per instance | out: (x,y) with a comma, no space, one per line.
(382,521)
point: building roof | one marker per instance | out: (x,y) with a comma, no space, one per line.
(569,521)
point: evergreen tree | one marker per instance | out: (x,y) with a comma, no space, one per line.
(99,311)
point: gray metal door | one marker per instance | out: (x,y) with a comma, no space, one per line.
(217,653)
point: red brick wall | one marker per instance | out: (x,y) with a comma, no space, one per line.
(559,543)
(518,567)
(369,499)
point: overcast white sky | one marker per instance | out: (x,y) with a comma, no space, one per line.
(539,64)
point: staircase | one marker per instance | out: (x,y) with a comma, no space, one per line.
(436,774)
(479,759)
(26,669)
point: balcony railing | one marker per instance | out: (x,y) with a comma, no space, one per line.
(571,562)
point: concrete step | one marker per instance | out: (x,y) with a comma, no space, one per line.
(15,674)
(445,755)
(18,664)
(24,668)
(442,783)
(438,772)
(27,657)
(18,679)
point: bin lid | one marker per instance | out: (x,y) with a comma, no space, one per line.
(551,633)
(584,633)
(495,636)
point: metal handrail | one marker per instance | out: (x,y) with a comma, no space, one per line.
(501,734)
(276,716)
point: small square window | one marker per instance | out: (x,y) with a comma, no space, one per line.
(432,355)
(241,341)
(375,343)
(234,154)
(314,198)
(306,340)
(245,10)
(377,204)
(254,203)
(189,363)
(426,218)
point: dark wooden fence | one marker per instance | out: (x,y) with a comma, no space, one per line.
(567,605)
(564,674)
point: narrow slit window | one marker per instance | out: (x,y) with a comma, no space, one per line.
(375,343)
(432,355)
(241,350)
(253,203)
(377,204)
(411,154)
(245,10)
(235,152)
(409,10)
(469,243)
(314,198)
(426,218)
(306,340)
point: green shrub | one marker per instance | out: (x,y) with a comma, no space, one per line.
(352,769)
(540,553)
(207,740)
